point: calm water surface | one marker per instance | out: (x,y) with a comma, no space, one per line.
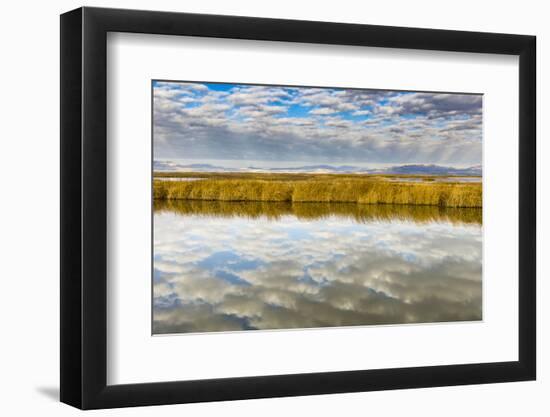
(241,266)
(436,179)
(178,178)
(393,179)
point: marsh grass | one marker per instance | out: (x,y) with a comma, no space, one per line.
(361,213)
(320,188)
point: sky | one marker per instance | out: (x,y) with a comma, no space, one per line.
(274,125)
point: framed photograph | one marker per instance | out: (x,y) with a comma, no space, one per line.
(258,208)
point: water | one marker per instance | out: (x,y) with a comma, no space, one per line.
(435,179)
(178,178)
(393,179)
(242,266)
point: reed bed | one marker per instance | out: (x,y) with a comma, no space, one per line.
(323,189)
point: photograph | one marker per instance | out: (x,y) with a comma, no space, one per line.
(255,204)
(296,207)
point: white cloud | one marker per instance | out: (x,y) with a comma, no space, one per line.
(230,273)
(278,123)
(323,111)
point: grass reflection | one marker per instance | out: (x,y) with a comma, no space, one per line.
(361,213)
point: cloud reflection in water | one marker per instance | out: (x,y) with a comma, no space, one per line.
(216,270)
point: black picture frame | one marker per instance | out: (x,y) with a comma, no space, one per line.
(84,207)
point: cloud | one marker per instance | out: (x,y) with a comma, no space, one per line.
(234,273)
(206,121)
(438,105)
(361,112)
(323,110)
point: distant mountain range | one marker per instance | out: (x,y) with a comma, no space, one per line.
(409,169)
(433,170)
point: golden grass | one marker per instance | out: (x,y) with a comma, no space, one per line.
(361,213)
(322,188)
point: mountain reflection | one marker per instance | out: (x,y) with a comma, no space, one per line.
(239,266)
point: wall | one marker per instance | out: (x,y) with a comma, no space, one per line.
(29,213)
